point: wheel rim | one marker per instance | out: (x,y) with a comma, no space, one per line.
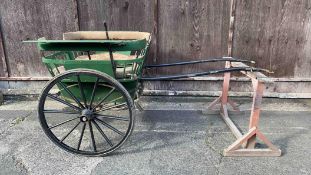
(96,121)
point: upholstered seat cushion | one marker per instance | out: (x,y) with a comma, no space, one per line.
(106,56)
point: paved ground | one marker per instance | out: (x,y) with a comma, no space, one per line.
(172,136)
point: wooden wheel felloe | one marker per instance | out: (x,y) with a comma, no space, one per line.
(86,112)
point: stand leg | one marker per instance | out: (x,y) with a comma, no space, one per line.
(225,86)
(237,148)
(212,105)
(255,111)
(245,144)
(234,105)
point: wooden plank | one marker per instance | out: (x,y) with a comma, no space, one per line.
(138,15)
(253,153)
(280,89)
(276,34)
(226,84)
(231,26)
(25,78)
(190,30)
(227,75)
(119,14)
(225,116)
(256,105)
(3,65)
(217,93)
(242,79)
(24,20)
(234,105)
(92,14)
(255,110)
(213,103)
(235,145)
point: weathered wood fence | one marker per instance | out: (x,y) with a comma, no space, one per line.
(275,33)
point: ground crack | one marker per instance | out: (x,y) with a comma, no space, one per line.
(218,164)
(210,145)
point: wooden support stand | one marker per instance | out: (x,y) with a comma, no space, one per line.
(245,144)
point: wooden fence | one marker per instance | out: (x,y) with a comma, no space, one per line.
(276,34)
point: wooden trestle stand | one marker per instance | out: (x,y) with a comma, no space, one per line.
(245,143)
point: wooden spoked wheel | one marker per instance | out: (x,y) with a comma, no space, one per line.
(86,112)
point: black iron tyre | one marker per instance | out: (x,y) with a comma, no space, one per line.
(67,122)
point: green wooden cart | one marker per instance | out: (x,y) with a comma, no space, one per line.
(87,108)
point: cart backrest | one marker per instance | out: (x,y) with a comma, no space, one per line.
(113,35)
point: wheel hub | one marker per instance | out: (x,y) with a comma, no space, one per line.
(86,115)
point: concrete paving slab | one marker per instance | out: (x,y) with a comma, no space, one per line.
(162,153)
(168,139)
(28,144)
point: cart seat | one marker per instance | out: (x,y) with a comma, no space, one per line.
(120,72)
(106,56)
(100,35)
(129,49)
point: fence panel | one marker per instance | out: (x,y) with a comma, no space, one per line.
(276,34)
(26,20)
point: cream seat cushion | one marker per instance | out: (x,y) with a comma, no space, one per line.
(120,72)
(100,35)
(106,56)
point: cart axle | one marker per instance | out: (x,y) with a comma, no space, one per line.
(86,115)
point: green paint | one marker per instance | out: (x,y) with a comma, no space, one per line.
(63,58)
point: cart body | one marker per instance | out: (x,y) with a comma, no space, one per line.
(130,49)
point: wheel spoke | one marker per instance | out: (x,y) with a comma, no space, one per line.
(112,117)
(63,122)
(82,91)
(109,93)
(71,95)
(70,132)
(64,102)
(92,136)
(58,111)
(81,136)
(112,101)
(93,93)
(110,127)
(118,98)
(103,134)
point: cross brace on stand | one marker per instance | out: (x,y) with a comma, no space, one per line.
(245,143)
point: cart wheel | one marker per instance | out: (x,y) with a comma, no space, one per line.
(86,117)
